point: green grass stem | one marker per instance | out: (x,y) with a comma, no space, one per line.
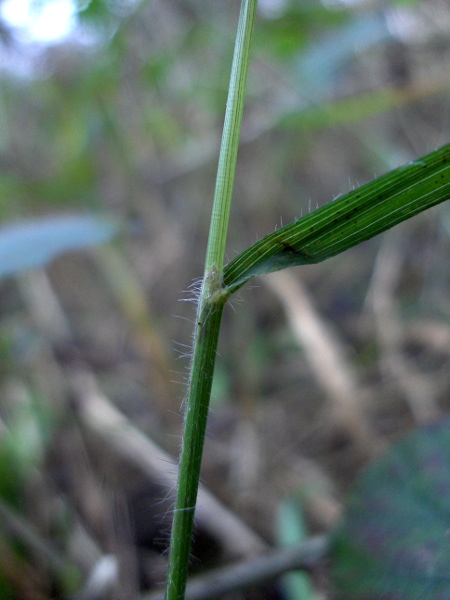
(211,302)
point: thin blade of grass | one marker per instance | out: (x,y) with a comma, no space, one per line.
(291,530)
(347,221)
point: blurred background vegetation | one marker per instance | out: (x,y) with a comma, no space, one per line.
(319,368)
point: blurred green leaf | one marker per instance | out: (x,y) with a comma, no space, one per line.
(291,529)
(290,28)
(30,244)
(393,542)
(354,108)
(6,589)
(21,446)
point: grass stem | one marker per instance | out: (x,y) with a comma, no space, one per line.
(209,314)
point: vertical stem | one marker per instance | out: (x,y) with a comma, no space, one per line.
(191,452)
(209,315)
(230,138)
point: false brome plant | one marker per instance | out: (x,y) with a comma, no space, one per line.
(334,228)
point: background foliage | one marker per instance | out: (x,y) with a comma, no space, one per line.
(319,368)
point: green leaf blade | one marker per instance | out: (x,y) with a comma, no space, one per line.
(347,221)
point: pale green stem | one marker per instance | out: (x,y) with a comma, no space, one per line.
(230,140)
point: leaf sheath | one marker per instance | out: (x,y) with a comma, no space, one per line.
(206,338)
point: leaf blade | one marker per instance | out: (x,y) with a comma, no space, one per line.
(347,221)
